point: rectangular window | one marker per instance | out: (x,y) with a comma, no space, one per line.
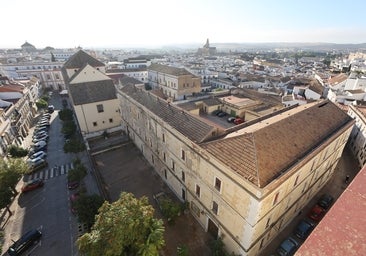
(183,194)
(296,180)
(268,222)
(173,165)
(164,157)
(163,137)
(198,191)
(100,108)
(95,124)
(165,174)
(183,176)
(215,207)
(111,120)
(275,199)
(218,184)
(183,155)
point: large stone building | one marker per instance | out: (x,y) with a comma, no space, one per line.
(93,95)
(49,73)
(176,83)
(245,184)
(17,110)
(358,136)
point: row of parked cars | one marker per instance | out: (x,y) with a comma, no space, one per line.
(305,226)
(230,119)
(38,152)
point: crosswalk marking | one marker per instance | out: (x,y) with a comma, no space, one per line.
(49,173)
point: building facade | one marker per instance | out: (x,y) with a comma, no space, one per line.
(176,83)
(243,185)
(49,73)
(92,94)
(358,136)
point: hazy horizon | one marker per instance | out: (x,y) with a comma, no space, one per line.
(163,23)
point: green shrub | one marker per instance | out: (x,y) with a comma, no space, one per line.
(170,209)
(15,151)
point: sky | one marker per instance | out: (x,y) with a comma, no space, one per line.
(156,23)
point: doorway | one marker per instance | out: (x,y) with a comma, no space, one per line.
(212,229)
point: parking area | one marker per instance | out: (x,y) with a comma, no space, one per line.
(125,169)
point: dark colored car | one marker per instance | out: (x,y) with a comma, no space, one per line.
(25,242)
(215,112)
(221,114)
(304,228)
(325,201)
(73,184)
(32,185)
(288,247)
(316,213)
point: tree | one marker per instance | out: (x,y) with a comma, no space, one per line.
(41,103)
(87,207)
(5,198)
(16,151)
(77,173)
(10,173)
(74,146)
(65,114)
(68,127)
(124,227)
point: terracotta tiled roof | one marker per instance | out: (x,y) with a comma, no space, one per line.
(263,153)
(126,80)
(337,79)
(168,70)
(190,126)
(88,92)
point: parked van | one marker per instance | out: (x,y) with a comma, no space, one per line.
(26,241)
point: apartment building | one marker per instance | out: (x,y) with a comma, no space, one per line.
(246,184)
(176,83)
(49,73)
(17,110)
(92,94)
(358,135)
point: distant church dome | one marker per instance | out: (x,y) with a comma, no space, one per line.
(28,47)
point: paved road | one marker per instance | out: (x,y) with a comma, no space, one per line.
(47,209)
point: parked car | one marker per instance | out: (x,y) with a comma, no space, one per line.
(36,164)
(221,114)
(316,213)
(34,150)
(25,242)
(39,154)
(325,201)
(215,112)
(43,123)
(51,109)
(73,185)
(304,228)
(32,185)
(41,128)
(288,247)
(47,115)
(238,121)
(231,119)
(40,138)
(39,133)
(73,198)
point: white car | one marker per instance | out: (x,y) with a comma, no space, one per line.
(40,138)
(39,154)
